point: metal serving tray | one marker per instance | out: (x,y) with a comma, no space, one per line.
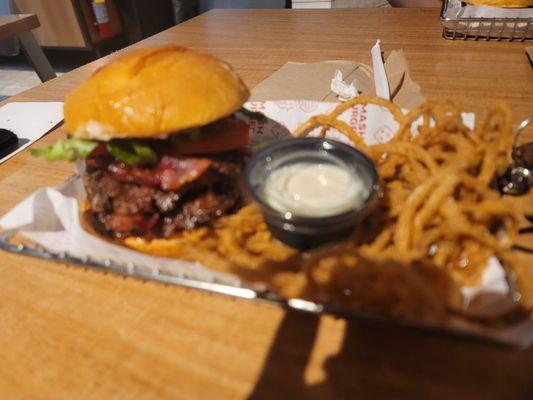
(14,242)
(499,29)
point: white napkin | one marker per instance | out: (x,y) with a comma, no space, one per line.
(380,75)
(343,90)
(29,121)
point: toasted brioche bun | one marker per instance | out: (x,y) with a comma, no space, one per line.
(153,92)
(502,3)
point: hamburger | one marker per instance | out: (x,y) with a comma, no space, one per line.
(161,148)
(502,3)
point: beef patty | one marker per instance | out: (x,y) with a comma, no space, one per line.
(131,202)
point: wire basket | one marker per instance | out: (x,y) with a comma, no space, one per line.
(475,28)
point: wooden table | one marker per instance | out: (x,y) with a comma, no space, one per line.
(12,25)
(20,25)
(67,332)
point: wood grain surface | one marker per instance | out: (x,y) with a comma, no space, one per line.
(68,332)
(13,25)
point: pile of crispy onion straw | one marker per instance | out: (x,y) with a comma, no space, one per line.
(437,225)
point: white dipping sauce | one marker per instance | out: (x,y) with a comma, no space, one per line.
(314,189)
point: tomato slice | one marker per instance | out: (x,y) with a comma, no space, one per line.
(225,135)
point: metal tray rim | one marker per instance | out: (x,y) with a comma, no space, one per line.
(242,293)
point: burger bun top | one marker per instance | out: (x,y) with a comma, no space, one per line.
(152,93)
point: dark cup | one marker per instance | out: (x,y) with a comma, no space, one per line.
(304,232)
(8,142)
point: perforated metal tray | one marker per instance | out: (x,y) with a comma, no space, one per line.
(499,29)
(14,242)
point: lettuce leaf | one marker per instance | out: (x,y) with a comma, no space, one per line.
(131,152)
(72,149)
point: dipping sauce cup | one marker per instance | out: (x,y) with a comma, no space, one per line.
(312,191)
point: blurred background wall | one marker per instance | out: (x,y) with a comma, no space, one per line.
(205,5)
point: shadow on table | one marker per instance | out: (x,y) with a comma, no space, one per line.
(383,361)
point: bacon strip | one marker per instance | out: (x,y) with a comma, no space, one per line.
(171,173)
(174,172)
